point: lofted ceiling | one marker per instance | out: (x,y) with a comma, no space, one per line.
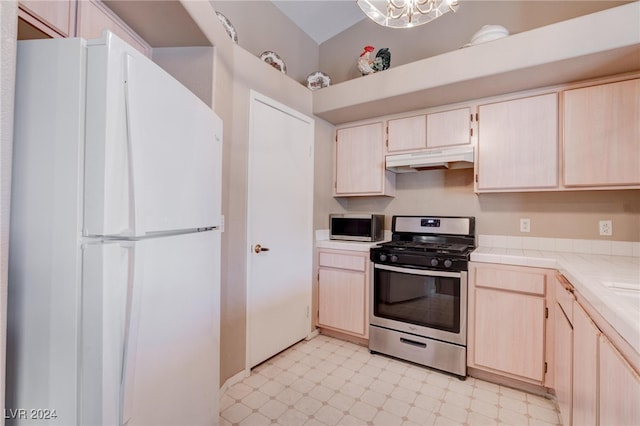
(321,20)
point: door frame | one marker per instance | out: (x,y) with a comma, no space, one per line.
(254,97)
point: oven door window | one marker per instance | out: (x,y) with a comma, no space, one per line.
(426,300)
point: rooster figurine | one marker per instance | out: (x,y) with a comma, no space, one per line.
(381,62)
(364,63)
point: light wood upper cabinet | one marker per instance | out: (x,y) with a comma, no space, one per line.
(449,128)
(432,130)
(507,318)
(407,134)
(518,144)
(359,162)
(601,135)
(55,18)
(343,291)
(619,394)
(94,17)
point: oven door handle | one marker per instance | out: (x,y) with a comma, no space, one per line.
(413,271)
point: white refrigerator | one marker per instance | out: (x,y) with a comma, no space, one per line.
(114,270)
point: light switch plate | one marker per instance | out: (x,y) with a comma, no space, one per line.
(525,225)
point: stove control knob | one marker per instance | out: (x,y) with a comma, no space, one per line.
(383,257)
(394,258)
(448,263)
(434,262)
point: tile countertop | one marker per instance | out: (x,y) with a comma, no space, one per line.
(323,241)
(605,273)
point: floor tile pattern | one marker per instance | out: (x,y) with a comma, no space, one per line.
(327,381)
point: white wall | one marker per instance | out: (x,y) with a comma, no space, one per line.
(192,66)
(8,30)
(236,72)
(261,27)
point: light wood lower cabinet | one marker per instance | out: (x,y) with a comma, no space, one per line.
(619,396)
(585,368)
(507,321)
(563,348)
(343,291)
(563,360)
(594,383)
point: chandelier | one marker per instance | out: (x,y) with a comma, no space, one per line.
(405,13)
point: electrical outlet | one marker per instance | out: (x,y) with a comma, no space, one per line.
(605,227)
(525,225)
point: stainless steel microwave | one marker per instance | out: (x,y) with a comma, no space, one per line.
(356,227)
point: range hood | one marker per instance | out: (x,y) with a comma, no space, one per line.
(448,158)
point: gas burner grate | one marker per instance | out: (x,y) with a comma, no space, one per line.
(427,247)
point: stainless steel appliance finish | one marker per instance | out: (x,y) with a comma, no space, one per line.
(420,350)
(356,227)
(435,225)
(419,295)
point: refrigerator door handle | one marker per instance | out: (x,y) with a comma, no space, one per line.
(136,200)
(130,337)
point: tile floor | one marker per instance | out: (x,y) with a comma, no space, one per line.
(326,381)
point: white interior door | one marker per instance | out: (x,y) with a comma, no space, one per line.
(280,219)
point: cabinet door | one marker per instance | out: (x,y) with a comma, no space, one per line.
(449,128)
(563,362)
(360,168)
(509,333)
(602,135)
(94,17)
(342,300)
(56,15)
(518,144)
(619,388)
(407,134)
(585,368)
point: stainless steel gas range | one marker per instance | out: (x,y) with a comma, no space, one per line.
(419,295)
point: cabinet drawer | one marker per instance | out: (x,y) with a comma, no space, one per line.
(504,279)
(342,261)
(564,297)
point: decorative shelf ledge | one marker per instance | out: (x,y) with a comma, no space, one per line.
(591,46)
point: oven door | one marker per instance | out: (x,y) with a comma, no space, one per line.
(422,302)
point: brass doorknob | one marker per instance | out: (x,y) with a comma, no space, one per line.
(258,248)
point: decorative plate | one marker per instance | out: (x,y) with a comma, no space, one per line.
(274,60)
(318,80)
(228,27)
